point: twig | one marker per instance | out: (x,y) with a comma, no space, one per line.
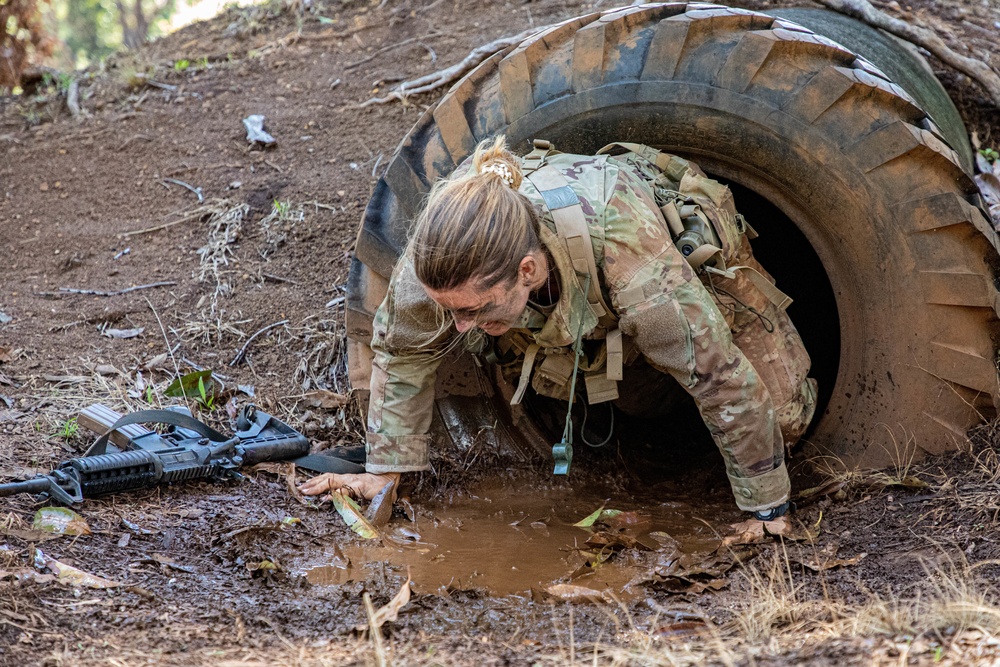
(161,86)
(375,632)
(243,350)
(73,98)
(165,225)
(274,166)
(431,52)
(975,69)
(322,205)
(197,191)
(128,141)
(166,340)
(136,288)
(386,49)
(278,279)
(443,77)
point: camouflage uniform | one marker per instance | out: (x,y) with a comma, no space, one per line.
(664,310)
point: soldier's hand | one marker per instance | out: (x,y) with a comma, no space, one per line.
(363,485)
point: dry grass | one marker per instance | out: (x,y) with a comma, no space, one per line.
(951,619)
(209,327)
(277,225)
(225,224)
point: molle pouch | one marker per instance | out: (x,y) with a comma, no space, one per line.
(738,297)
(715,202)
(782,362)
(599,387)
(552,377)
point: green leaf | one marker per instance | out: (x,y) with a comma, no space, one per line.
(60,520)
(596,516)
(325,20)
(186,386)
(353,517)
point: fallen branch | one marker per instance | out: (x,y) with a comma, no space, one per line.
(444,77)
(386,49)
(196,191)
(148,230)
(94,292)
(243,350)
(925,38)
(73,98)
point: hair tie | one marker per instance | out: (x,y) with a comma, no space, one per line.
(501,170)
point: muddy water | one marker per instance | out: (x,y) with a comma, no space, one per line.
(510,542)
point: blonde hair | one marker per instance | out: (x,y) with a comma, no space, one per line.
(477,226)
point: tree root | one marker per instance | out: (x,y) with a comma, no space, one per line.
(448,75)
(925,38)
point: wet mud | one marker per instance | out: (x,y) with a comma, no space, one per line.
(516,541)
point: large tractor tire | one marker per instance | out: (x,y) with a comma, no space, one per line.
(868,217)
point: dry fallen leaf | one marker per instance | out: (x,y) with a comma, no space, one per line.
(326,399)
(156,362)
(568,593)
(284,469)
(352,515)
(390,611)
(123,333)
(60,521)
(753,531)
(819,563)
(68,574)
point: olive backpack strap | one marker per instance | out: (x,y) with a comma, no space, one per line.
(564,207)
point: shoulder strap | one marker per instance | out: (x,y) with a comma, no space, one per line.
(536,158)
(674,167)
(571,224)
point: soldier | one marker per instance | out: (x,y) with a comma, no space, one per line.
(539,252)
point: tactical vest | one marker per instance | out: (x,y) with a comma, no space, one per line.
(706,229)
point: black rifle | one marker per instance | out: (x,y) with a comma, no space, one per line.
(189,450)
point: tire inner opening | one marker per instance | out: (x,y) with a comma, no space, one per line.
(664,431)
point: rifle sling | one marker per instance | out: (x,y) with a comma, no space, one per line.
(170,417)
(327,463)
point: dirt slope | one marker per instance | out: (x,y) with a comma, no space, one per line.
(74,189)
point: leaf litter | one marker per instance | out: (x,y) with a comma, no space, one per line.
(61,521)
(68,574)
(353,516)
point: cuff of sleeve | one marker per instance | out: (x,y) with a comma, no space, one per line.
(397,453)
(762,492)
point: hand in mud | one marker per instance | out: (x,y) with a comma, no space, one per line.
(364,485)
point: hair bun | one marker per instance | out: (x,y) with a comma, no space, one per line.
(493,157)
(501,170)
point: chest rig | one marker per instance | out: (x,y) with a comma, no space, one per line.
(545,185)
(705,228)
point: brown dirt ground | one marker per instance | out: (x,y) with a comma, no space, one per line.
(72,188)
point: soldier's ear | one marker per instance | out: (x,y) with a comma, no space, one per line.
(528,270)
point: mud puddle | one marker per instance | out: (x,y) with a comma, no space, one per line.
(515,541)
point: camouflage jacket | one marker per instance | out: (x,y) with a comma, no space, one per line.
(662,307)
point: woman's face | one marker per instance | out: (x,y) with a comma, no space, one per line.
(494,309)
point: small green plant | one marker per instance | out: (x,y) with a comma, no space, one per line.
(990,154)
(203,63)
(205,398)
(56,83)
(181,65)
(68,429)
(281,208)
(150,394)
